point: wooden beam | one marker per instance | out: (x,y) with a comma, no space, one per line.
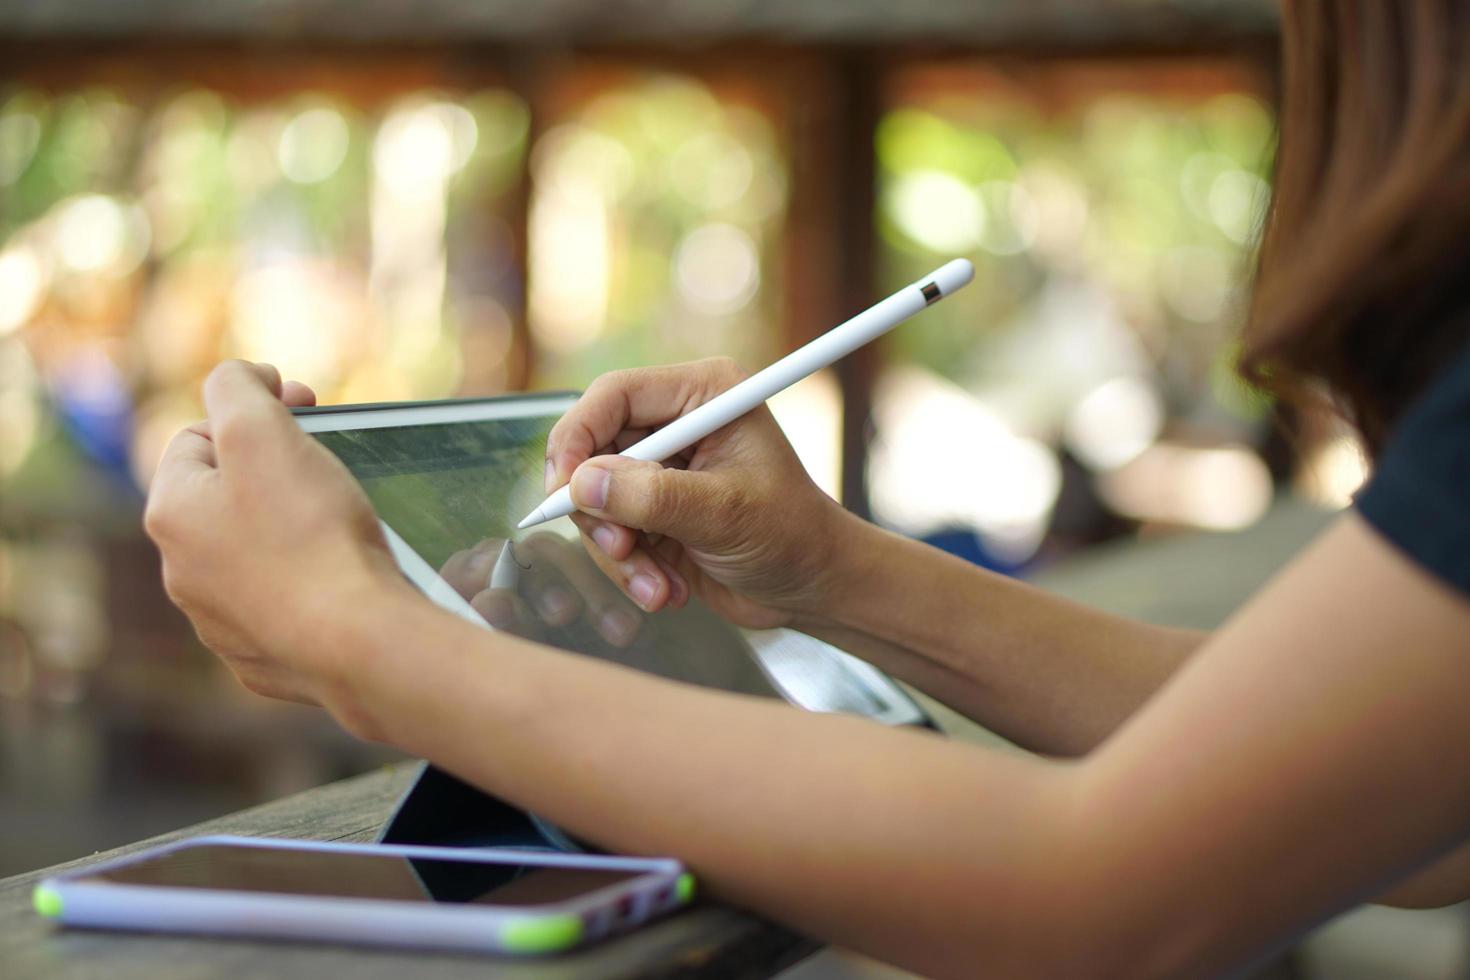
(857,23)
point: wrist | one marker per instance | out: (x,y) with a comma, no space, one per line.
(414,675)
(369,635)
(850,551)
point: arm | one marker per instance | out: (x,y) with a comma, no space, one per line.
(738,522)
(1049,674)
(1296,766)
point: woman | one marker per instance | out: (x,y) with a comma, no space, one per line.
(1199,800)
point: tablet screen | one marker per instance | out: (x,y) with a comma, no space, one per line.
(448,487)
(454,492)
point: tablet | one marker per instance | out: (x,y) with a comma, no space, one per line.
(449,480)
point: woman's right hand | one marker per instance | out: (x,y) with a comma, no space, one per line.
(734,519)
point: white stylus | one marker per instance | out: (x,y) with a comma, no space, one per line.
(725,408)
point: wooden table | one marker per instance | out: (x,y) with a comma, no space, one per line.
(707,940)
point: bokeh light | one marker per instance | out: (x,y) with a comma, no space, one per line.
(717,268)
(313,145)
(655,208)
(1222,488)
(159,236)
(22,286)
(945,460)
(1112,230)
(1114,422)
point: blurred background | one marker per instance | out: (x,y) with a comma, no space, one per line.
(422,201)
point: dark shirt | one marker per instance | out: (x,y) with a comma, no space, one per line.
(1419,495)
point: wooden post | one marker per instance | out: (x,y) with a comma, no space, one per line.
(830,246)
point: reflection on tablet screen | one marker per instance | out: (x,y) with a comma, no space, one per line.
(454,492)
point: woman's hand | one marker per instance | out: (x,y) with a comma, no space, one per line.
(267,541)
(735,519)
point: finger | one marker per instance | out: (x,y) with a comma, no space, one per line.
(188,457)
(297,395)
(618,542)
(269,374)
(640,577)
(293,394)
(642,398)
(246,417)
(615,540)
(678,586)
(685,504)
(672,555)
(623,440)
(189,450)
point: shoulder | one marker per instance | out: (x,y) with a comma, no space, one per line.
(1419,495)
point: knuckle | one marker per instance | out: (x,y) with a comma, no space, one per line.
(175,586)
(253,681)
(610,387)
(157,520)
(223,373)
(726,368)
(662,501)
(626,379)
(237,433)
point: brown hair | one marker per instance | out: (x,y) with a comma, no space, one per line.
(1364,277)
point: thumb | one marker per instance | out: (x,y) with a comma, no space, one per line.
(650,497)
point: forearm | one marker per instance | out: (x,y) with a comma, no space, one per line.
(825,809)
(1049,674)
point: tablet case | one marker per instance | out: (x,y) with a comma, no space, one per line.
(443,810)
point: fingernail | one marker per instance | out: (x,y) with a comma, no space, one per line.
(556,604)
(605,537)
(618,626)
(589,486)
(550,476)
(643,588)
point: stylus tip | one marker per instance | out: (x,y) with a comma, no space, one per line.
(535,517)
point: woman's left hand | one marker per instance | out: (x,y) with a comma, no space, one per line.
(268,543)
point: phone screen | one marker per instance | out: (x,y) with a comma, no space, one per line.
(390,877)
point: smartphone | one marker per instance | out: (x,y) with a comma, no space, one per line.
(469,899)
